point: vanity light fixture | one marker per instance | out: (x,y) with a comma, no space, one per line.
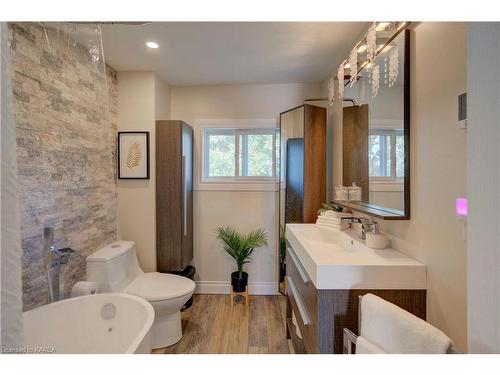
(384,47)
(340,78)
(381,26)
(362,48)
(353,63)
(369,46)
(152,45)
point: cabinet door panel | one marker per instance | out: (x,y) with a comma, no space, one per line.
(168,196)
(187,195)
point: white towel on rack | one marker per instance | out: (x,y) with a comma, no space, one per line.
(395,330)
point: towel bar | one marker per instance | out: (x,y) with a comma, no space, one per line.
(350,343)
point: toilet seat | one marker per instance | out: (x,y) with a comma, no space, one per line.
(156,286)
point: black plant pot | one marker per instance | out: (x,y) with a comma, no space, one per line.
(239,284)
(282,272)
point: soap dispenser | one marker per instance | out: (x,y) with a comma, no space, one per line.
(375,239)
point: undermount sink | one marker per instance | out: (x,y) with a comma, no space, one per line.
(338,260)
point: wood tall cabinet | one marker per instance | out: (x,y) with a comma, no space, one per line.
(355,135)
(303,163)
(174,195)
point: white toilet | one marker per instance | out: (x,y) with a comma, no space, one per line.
(116,269)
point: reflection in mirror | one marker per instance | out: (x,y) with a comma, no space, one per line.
(292,154)
(302,169)
(291,177)
(374,131)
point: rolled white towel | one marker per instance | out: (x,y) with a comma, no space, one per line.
(84,288)
(395,330)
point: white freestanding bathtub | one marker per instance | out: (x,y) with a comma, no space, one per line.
(100,323)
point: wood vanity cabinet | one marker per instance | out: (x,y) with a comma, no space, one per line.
(174,195)
(321,315)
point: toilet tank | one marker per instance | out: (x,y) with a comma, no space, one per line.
(113,266)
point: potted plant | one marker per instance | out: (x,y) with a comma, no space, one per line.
(241,247)
(282,254)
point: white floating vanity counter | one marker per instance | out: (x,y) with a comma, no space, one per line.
(339,260)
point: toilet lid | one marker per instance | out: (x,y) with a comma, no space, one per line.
(155,286)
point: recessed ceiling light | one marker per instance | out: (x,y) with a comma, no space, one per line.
(152,45)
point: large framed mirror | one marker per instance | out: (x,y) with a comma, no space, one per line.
(376,133)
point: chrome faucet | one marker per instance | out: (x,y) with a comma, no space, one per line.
(366,225)
(56,260)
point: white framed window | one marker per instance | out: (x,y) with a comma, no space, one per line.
(386,154)
(239,154)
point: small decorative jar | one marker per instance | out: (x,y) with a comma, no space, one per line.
(354,193)
(341,193)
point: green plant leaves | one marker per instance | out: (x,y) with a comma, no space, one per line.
(241,246)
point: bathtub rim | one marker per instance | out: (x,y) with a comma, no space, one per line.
(140,335)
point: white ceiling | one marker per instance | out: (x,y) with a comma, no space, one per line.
(198,53)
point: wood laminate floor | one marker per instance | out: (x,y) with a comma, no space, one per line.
(211,325)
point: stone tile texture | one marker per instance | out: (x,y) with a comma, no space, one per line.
(65,111)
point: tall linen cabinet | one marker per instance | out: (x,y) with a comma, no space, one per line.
(174,195)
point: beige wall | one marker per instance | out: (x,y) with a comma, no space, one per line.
(438,172)
(142,98)
(162,100)
(245,210)
(483,239)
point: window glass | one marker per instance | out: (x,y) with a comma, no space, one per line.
(386,153)
(400,156)
(256,155)
(379,155)
(231,154)
(221,150)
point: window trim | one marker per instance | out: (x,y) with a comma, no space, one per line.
(230,183)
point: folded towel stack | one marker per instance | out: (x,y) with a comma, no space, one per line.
(332,220)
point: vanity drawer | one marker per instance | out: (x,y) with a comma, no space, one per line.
(303,298)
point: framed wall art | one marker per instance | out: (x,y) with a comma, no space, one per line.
(133,155)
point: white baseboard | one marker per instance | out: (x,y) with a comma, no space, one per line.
(223,287)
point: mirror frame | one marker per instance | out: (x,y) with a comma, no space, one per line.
(385,213)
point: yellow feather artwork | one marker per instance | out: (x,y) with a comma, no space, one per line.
(134,155)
